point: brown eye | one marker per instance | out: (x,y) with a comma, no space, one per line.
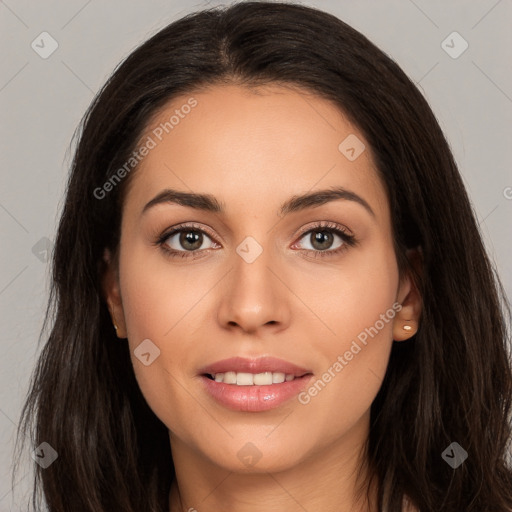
(326,239)
(188,240)
(322,240)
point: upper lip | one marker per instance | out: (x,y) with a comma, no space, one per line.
(260,365)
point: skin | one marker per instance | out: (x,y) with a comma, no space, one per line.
(253,149)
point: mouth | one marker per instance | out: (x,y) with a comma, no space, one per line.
(252,379)
(253,385)
(241,370)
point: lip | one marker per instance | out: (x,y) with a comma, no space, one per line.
(254,398)
(260,365)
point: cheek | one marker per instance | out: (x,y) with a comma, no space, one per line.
(158,306)
(349,297)
(173,305)
(159,296)
(359,309)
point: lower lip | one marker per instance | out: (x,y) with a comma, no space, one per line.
(254,398)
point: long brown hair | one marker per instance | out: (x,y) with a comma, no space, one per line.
(452,382)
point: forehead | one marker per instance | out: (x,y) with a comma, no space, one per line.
(251,146)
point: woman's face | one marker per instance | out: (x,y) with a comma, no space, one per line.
(248,280)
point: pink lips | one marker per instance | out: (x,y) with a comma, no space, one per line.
(261,365)
(254,398)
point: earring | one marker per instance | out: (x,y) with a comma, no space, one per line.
(113,316)
(407,328)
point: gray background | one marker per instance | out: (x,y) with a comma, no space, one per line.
(42,101)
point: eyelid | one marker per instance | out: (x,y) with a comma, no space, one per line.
(187,225)
(324,224)
(340,230)
(345,234)
(305,229)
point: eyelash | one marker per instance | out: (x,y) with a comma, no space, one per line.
(329,227)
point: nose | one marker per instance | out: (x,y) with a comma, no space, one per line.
(254,297)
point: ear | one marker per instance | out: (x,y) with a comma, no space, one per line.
(112,293)
(406,321)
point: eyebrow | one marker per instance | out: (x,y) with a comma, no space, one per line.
(209,203)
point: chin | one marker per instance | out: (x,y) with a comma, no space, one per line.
(257,454)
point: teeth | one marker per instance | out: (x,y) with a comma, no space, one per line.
(244,379)
(277,378)
(251,379)
(230,378)
(263,379)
